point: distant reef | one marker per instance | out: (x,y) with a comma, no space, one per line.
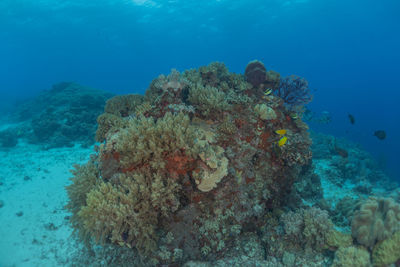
(62,116)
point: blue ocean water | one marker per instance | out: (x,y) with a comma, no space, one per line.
(347,50)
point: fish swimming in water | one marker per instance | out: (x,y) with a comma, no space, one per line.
(268,91)
(380,134)
(282,141)
(352,119)
(281,131)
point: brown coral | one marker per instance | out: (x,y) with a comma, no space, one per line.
(255,73)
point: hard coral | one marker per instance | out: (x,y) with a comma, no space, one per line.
(180,177)
(255,73)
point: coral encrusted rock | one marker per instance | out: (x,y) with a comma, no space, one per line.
(184,170)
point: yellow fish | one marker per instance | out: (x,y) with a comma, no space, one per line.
(268,91)
(282,141)
(281,132)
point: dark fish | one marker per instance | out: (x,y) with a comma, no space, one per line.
(352,119)
(380,134)
(341,152)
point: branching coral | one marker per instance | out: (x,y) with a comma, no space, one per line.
(116,112)
(123,106)
(207,99)
(127,213)
(148,142)
(106,123)
(85,179)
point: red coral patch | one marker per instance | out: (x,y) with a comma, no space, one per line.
(179,164)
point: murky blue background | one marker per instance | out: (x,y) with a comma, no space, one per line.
(348,50)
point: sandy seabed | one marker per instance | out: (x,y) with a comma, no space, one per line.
(34,227)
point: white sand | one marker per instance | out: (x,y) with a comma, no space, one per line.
(41,236)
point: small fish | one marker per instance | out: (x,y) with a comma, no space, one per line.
(380,134)
(352,119)
(268,91)
(282,141)
(281,131)
(294,115)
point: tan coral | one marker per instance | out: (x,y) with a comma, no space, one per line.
(106,123)
(216,168)
(265,112)
(123,105)
(387,251)
(207,99)
(377,219)
(143,108)
(351,257)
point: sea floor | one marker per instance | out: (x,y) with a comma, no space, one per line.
(34,229)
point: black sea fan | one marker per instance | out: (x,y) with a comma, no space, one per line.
(294,91)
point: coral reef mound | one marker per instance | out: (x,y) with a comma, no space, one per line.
(62,116)
(189,166)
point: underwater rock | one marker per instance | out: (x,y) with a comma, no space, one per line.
(187,168)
